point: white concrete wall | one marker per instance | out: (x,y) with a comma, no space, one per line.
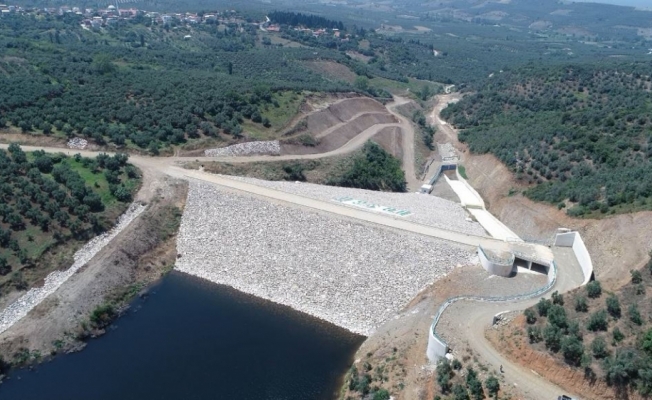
(574,240)
(493,225)
(495,268)
(436,348)
(475,193)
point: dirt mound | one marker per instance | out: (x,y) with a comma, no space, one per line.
(340,135)
(341,111)
(347,109)
(391,140)
(322,120)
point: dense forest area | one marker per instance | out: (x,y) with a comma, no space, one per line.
(373,169)
(582,134)
(50,200)
(608,335)
(307,20)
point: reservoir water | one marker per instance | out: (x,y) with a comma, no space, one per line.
(191,339)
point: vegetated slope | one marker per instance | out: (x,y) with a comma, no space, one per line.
(608,335)
(581,133)
(374,169)
(50,201)
(144,85)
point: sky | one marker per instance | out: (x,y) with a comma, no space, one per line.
(635,3)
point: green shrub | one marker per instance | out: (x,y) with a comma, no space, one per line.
(622,368)
(581,305)
(613,306)
(574,329)
(534,334)
(444,375)
(634,314)
(640,289)
(353,378)
(572,349)
(617,335)
(381,394)
(543,306)
(493,385)
(552,337)
(103,315)
(460,393)
(636,276)
(557,316)
(294,172)
(557,298)
(374,169)
(593,289)
(646,342)
(530,316)
(597,321)
(599,347)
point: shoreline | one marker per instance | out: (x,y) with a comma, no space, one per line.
(20,307)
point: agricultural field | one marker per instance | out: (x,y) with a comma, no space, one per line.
(53,203)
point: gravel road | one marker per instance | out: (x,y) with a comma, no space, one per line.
(351,274)
(427,210)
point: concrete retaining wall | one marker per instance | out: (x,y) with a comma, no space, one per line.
(437,346)
(477,195)
(574,240)
(442,168)
(495,267)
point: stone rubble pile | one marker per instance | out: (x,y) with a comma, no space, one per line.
(272,147)
(447,151)
(427,210)
(77,143)
(19,308)
(351,274)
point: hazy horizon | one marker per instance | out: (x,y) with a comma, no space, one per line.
(632,3)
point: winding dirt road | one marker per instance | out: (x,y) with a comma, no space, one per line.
(471,319)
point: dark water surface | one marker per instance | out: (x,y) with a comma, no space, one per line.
(195,340)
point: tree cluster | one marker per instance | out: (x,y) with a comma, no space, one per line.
(307,20)
(45,201)
(594,333)
(374,169)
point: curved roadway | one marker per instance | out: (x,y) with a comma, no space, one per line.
(472,318)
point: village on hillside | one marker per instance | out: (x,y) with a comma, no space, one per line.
(103,17)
